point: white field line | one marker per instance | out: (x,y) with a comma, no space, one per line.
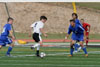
(55,54)
(45,61)
(53,44)
(57,65)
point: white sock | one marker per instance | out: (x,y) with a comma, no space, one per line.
(38,47)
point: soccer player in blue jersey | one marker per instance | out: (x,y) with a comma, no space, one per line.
(75,17)
(4,39)
(78,35)
(77,21)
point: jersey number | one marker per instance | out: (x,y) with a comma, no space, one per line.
(35,25)
(3,30)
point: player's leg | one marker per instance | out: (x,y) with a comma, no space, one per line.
(79,48)
(38,41)
(0,46)
(83,48)
(35,37)
(1,43)
(81,39)
(76,46)
(71,47)
(87,38)
(38,47)
(11,45)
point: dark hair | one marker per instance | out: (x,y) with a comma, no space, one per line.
(10,19)
(43,17)
(75,14)
(72,20)
(82,19)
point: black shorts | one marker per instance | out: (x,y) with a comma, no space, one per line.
(36,37)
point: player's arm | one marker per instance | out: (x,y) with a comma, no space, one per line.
(11,34)
(9,28)
(68,33)
(83,31)
(88,27)
(30,31)
(84,35)
(42,31)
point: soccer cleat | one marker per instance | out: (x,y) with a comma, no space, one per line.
(8,55)
(75,51)
(86,55)
(37,55)
(70,55)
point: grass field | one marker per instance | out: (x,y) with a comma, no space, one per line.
(94,5)
(56,57)
(53,36)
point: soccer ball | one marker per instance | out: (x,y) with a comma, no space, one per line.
(42,54)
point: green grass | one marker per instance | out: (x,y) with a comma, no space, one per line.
(95,5)
(53,36)
(78,60)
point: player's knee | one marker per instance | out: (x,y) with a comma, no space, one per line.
(12,45)
(81,45)
(72,47)
(41,43)
(87,37)
(0,46)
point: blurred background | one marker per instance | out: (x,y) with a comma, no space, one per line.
(58,15)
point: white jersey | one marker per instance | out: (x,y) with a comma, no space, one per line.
(37,26)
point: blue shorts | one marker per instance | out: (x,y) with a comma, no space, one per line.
(5,40)
(77,37)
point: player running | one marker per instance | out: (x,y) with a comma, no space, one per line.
(4,39)
(78,35)
(86,26)
(37,28)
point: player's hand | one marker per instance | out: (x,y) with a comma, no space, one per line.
(65,39)
(45,35)
(29,35)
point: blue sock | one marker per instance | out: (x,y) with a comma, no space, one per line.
(9,50)
(71,50)
(76,46)
(84,49)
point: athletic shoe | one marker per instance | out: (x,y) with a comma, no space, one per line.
(70,55)
(86,55)
(75,51)
(8,55)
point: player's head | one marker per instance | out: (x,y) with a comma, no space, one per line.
(43,19)
(74,16)
(82,21)
(72,22)
(10,20)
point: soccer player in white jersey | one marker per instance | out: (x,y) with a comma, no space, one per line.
(37,28)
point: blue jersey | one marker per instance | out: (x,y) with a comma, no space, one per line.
(78,29)
(6,29)
(78,22)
